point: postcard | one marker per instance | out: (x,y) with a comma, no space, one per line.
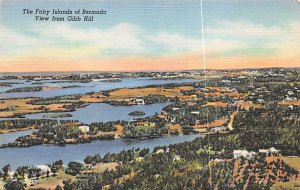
(146,95)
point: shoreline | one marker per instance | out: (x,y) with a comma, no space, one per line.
(2,132)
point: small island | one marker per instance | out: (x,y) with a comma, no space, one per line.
(137,113)
(26,89)
(72,86)
(8,84)
(59,115)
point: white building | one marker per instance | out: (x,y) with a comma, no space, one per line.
(218,160)
(44,169)
(159,151)
(11,173)
(239,153)
(270,151)
(218,129)
(261,101)
(167,150)
(139,101)
(244,154)
(176,158)
(84,129)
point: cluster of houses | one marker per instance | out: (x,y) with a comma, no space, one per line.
(139,101)
(250,154)
(43,170)
(161,151)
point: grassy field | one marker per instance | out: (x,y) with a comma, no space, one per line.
(133,92)
(126,93)
(173,128)
(295,103)
(52,182)
(22,106)
(16,106)
(218,104)
(99,168)
(294,184)
(216,123)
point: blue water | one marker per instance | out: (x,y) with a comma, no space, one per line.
(100,112)
(77,152)
(11,137)
(93,86)
(93,113)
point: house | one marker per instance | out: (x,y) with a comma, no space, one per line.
(84,129)
(244,154)
(290,99)
(218,129)
(264,151)
(270,151)
(167,150)
(174,109)
(201,130)
(11,173)
(88,166)
(139,101)
(239,153)
(176,158)
(139,159)
(218,160)
(159,151)
(44,169)
(251,155)
(261,101)
(195,112)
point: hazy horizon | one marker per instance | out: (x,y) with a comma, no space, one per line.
(151,36)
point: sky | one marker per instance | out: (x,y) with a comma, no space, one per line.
(144,35)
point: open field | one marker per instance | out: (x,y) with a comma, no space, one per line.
(10,107)
(294,103)
(220,104)
(216,123)
(126,93)
(99,168)
(293,184)
(52,182)
(175,128)
(22,106)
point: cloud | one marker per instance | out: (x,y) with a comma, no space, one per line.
(121,37)
(12,42)
(254,37)
(230,43)
(177,42)
(244,29)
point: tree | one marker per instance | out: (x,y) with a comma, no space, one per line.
(5,170)
(144,151)
(58,187)
(88,160)
(74,168)
(58,163)
(14,185)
